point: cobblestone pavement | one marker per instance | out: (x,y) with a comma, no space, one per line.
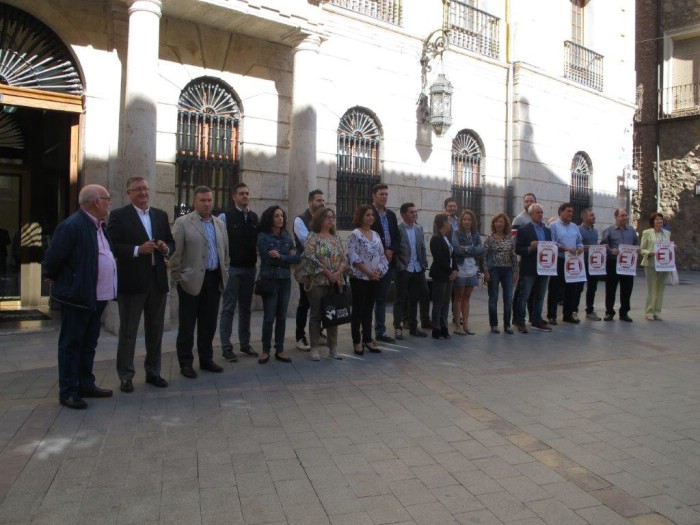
(597,423)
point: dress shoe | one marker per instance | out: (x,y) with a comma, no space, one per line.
(95,392)
(418,333)
(372,347)
(358,349)
(73,402)
(156,381)
(572,320)
(283,357)
(188,371)
(126,386)
(436,333)
(264,358)
(552,321)
(386,338)
(541,325)
(211,367)
(626,318)
(247,350)
(521,328)
(495,330)
(508,330)
(609,317)
(445,333)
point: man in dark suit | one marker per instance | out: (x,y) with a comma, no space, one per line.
(526,242)
(387,227)
(80,266)
(142,239)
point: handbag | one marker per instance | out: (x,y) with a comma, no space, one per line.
(264,286)
(335,308)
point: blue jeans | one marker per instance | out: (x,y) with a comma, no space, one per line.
(380,303)
(80,329)
(529,283)
(239,290)
(275,312)
(502,275)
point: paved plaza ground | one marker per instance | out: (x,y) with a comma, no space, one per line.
(597,423)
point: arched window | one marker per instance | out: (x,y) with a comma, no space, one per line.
(32,55)
(207,142)
(580,189)
(359,141)
(466,172)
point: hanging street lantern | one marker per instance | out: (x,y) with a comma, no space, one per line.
(440,105)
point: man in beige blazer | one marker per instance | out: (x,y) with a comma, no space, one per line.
(199,268)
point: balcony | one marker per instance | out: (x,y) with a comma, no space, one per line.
(583,66)
(386,10)
(473,29)
(679,101)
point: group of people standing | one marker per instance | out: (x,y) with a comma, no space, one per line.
(96,256)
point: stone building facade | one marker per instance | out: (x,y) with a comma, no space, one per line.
(667,125)
(297,94)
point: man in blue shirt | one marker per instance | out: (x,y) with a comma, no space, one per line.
(589,236)
(568,238)
(617,234)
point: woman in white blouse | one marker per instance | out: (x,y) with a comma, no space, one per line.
(367,266)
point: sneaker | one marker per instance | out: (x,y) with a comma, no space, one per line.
(398,334)
(303,344)
(229,355)
(592,316)
(314,355)
(248,350)
(386,338)
(521,328)
(334,354)
(541,325)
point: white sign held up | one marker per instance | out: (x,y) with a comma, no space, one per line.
(665,256)
(597,259)
(627,259)
(574,269)
(547,252)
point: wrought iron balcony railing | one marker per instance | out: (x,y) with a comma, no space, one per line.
(386,10)
(583,66)
(473,29)
(679,101)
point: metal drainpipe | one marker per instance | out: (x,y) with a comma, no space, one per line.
(659,86)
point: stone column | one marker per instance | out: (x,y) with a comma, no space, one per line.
(302,157)
(140,95)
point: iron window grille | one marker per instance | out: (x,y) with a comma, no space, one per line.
(33,56)
(679,101)
(207,143)
(580,188)
(473,29)
(390,11)
(583,66)
(358,163)
(467,189)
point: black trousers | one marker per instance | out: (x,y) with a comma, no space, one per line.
(202,311)
(152,304)
(410,288)
(612,279)
(363,296)
(302,313)
(558,287)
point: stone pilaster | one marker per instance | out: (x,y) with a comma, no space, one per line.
(302,158)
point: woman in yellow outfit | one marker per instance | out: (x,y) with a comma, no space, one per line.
(655,280)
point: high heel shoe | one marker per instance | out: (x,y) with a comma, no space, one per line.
(467,331)
(283,358)
(373,348)
(359,350)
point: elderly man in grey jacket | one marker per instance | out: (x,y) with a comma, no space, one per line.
(411,263)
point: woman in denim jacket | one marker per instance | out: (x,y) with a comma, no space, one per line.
(277,254)
(467,245)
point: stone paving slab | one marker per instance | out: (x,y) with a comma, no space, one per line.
(597,423)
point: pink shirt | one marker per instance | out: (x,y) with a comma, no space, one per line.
(106,265)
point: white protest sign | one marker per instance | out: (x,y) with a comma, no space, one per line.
(597,259)
(627,260)
(574,269)
(665,256)
(547,252)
